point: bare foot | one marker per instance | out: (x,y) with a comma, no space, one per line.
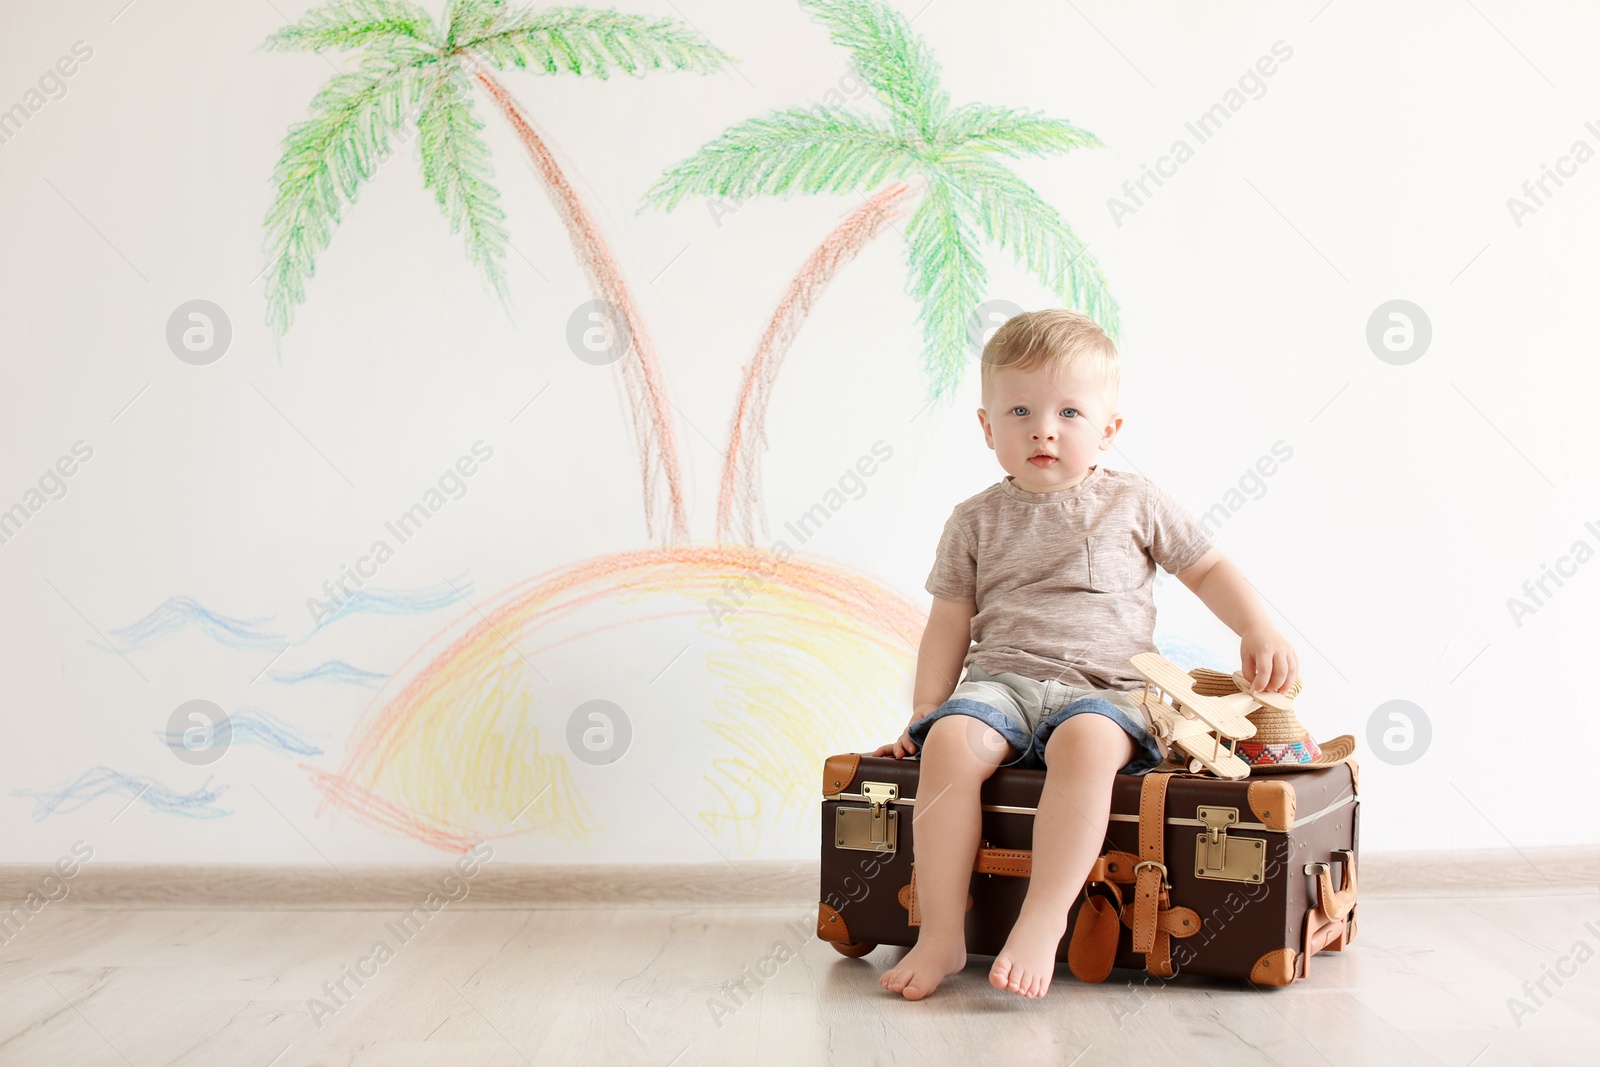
(1028,961)
(924,967)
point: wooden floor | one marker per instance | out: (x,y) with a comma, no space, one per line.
(1427,981)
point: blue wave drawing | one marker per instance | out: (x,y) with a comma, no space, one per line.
(334,670)
(397,601)
(180,612)
(1188,655)
(177,613)
(99,781)
(252,726)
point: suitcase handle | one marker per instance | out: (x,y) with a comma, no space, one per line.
(1335,904)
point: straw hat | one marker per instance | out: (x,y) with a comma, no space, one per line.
(1280,743)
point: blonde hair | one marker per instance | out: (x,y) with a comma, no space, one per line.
(1053,339)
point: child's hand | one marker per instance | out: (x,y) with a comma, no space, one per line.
(900,748)
(1268,660)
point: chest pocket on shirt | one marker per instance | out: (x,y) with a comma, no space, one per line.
(1112,566)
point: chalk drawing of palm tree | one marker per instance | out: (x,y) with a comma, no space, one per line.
(407,66)
(796,652)
(949,157)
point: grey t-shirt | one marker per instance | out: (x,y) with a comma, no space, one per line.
(1063,580)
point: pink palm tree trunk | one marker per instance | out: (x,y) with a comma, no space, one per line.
(647,396)
(741,471)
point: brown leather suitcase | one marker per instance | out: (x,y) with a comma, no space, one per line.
(1246,879)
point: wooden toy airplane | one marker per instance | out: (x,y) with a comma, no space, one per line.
(1205,729)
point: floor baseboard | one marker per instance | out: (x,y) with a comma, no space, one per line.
(767,883)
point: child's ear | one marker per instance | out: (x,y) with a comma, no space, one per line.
(1113,427)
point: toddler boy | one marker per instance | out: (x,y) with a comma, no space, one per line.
(1042,591)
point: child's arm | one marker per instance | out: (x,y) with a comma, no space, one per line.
(1265,655)
(939,661)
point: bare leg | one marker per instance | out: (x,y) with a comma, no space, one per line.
(1082,758)
(959,753)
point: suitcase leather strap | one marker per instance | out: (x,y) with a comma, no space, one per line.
(1172,922)
(1153,920)
(1150,881)
(1018,863)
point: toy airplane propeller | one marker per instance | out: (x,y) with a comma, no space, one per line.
(1203,728)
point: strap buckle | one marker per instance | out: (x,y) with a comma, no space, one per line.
(1158,866)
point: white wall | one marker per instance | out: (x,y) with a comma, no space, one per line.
(1376,165)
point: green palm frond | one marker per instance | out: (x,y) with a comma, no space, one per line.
(895,62)
(947,280)
(1012,216)
(467,19)
(789,150)
(980,128)
(455,165)
(325,160)
(579,40)
(351,24)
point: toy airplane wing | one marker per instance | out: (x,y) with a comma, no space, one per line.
(1223,717)
(1281,701)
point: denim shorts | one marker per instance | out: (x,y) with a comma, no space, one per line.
(1026,712)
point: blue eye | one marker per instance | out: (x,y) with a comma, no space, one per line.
(1073,410)
(1018,408)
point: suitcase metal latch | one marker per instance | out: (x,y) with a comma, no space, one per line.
(873,828)
(1238,859)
